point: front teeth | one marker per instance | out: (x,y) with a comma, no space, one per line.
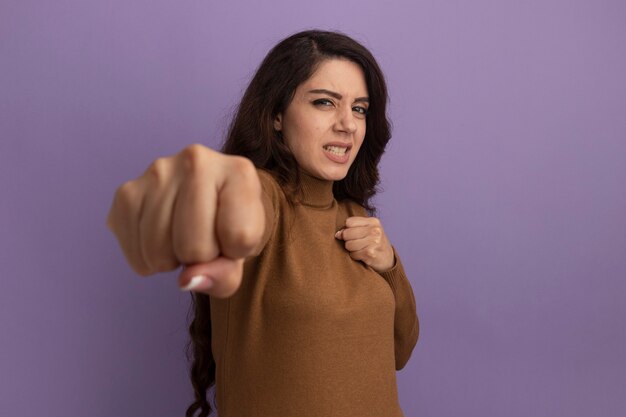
(336,150)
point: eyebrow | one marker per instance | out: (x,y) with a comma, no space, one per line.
(338,96)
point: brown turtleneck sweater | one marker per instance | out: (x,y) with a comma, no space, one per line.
(311,332)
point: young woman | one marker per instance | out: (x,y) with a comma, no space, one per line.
(302,307)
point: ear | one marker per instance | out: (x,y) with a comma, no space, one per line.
(278,122)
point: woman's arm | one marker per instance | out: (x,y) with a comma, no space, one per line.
(366,241)
(406,323)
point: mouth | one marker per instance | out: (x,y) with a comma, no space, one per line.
(339,150)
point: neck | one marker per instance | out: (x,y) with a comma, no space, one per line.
(315,192)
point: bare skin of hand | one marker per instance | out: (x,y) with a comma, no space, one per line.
(198,208)
(366,241)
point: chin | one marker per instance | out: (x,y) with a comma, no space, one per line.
(330,173)
(335,176)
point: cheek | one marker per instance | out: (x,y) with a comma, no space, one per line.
(299,146)
(308,137)
(362,138)
(301,130)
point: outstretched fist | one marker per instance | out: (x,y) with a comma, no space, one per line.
(198,208)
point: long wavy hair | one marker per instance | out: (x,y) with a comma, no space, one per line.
(252,135)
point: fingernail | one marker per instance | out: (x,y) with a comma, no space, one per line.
(338,234)
(197,281)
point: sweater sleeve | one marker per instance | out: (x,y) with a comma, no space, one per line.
(406,323)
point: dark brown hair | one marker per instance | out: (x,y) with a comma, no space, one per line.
(252,135)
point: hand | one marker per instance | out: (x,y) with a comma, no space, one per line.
(366,241)
(199,208)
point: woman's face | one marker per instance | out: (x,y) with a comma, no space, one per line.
(324,125)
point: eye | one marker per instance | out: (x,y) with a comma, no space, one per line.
(323,102)
(361,110)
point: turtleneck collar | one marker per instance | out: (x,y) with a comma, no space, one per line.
(315,192)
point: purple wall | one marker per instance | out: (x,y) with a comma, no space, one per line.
(505,193)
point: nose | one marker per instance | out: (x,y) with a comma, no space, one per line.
(345,120)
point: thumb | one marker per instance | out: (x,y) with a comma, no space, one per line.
(339,234)
(220,278)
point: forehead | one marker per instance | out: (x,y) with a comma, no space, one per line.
(338,75)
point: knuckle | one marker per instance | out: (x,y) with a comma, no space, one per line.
(243,167)
(244,164)
(195,158)
(245,175)
(242,240)
(125,189)
(158,170)
(126,193)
